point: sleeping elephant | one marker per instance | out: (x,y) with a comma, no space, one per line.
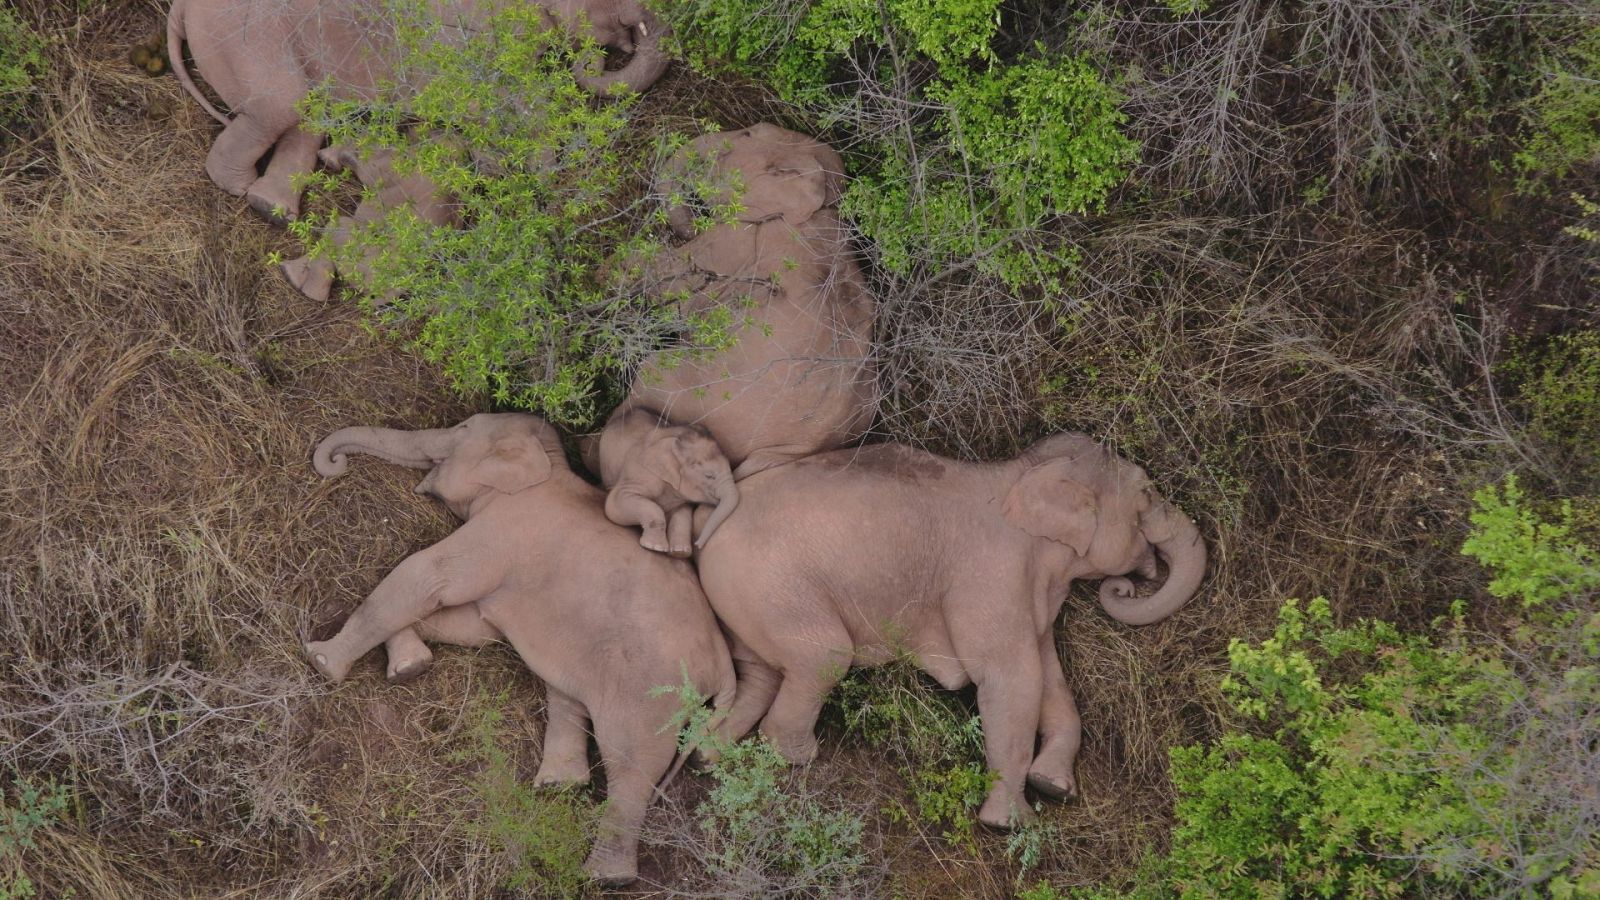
(263,56)
(601,620)
(846,558)
(386,190)
(799,377)
(655,474)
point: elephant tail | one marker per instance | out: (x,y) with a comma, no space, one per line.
(175,53)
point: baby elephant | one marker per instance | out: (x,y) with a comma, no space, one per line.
(656,471)
(601,621)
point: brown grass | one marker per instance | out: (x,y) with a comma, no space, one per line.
(1308,388)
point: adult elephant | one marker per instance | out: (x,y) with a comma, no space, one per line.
(799,376)
(263,56)
(849,557)
(602,621)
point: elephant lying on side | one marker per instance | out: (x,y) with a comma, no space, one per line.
(656,473)
(601,620)
(844,558)
(263,56)
(800,376)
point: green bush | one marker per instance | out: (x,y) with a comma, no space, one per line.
(548,831)
(21,63)
(1562,121)
(518,303)
(1367,762)
(958,155)
(761,831)
(926,733)
(31,807)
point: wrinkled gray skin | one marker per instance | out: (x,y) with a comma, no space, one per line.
(799,378)
(846,557)
(388,190)
(601,620)
(263,56)
(656,473)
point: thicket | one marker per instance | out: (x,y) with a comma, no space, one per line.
(517,305)
(1362,760)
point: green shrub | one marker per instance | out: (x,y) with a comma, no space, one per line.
(957,154)
(21,63)
(517,304)
(761,831)
(547,831)
(1366,762)
(31,808)
(927,734)
(1562,121)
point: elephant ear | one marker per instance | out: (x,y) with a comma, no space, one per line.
(512,465)
(788,175)
(1048,502)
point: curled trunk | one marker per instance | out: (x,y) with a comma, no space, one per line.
(414,449)
(1178,542)
(728,492)
(649,62)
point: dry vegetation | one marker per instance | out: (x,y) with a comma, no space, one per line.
(1309,379)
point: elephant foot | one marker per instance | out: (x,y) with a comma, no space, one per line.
(798,749)
(409,668)
(561,773)
(654,541)
(312,277)
(611,864)
(277,203)
(1055,785)
(683,552)
(325,661)
(1005,811)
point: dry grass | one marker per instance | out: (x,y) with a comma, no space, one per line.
(1309,388)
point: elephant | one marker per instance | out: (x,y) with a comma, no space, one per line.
(799,377)
(854,556)
(387,190)
(656,472)
(263,56)
(599,619)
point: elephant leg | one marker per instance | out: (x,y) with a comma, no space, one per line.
(274,195)
(565,759)
(635,756)
(461,625)
(1009,693)
(444,575)
(626,508)
(408,656)
(757,685)
(231,164)
(680,532)
(791,723)
(1060,730)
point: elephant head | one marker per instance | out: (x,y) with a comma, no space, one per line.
(688,459)
(1075,493)
(784,174)
(627,26)
(488,453)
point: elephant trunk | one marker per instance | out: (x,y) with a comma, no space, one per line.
(728,494)
(648,64)
(414,449)
(1178,541)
